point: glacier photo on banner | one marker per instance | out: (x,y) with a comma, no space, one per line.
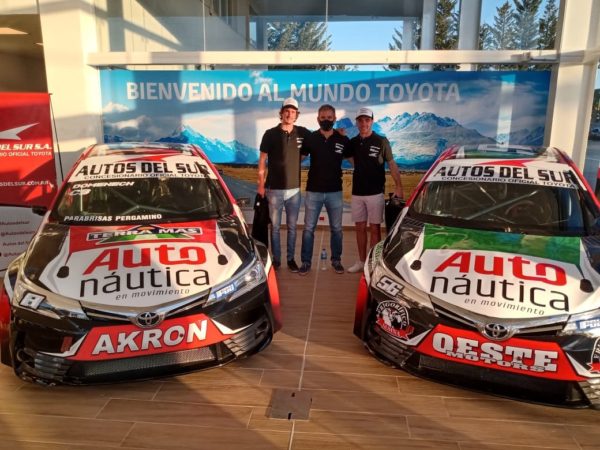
(421,113)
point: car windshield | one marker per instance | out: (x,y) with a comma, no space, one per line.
(515,208)
(158,199)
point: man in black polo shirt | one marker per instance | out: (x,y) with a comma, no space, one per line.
(327,149)
(370,152)
(280,154)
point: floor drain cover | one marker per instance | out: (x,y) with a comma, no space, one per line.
(289,404)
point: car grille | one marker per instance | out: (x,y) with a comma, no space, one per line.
(249,338)
(385,345)
(461,318)
(98,368)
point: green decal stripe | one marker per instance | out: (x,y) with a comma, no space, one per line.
(558,248)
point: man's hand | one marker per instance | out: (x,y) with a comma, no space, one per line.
(399,192)
(260,190)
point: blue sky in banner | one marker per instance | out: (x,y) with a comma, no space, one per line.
(420,112)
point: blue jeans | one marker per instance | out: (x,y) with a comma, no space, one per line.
(290,200)
(313,204)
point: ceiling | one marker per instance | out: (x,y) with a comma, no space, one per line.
(22,44)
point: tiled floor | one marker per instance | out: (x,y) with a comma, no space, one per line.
(357,401)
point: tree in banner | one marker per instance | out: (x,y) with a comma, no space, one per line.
(547,26)
(526,26)
(308,36)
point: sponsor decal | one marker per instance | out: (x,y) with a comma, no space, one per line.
(110,167)
(502,279)
(588,324)
(535,358)
(520,172)
(595,360)
(393,318)
(143,232)
(126,341)
(140,265)
(389,286)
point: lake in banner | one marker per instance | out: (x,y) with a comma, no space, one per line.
(421,113)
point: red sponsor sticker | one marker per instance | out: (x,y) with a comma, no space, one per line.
(534,358)
(125,341)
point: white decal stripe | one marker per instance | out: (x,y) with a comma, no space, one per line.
(417,339)
(69,352)
(580,369)
(226,330)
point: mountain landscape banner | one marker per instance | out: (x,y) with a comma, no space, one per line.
(421,113)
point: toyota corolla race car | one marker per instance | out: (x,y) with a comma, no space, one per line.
(142,267)
(490,277)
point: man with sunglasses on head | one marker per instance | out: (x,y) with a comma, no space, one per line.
(280,159)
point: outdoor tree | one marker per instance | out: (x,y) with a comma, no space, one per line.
(397,43)
(446,25)
(526,26)
(308,36)
(547,27)
(503,33)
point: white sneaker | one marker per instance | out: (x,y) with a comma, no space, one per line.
(357,267)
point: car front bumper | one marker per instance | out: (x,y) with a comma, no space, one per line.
(541,367)
(50,351)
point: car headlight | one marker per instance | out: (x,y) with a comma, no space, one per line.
(251,277)
(389,284)
(587,323)
(47,305)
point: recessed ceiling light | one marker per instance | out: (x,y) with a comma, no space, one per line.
(39,43)
(6,30)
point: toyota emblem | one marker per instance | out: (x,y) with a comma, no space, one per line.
(497,332)
(147,319)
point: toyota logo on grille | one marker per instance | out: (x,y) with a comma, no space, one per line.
(497,332)
(147,319)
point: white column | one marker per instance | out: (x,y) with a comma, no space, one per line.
(408,38)
(573,84)
(428,29)
(69,33)
(468,31)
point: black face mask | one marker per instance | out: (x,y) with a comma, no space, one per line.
(326,125)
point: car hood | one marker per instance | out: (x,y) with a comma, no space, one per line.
(498,274)
(136,265)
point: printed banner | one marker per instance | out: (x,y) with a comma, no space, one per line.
(27,172)
(227,112)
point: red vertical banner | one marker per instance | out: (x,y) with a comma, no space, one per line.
(27,172)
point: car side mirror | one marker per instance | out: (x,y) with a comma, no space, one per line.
(39,210)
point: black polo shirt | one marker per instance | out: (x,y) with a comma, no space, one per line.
(283,156)
(326,156)
(370,155)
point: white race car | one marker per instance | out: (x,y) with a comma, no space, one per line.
(490,277)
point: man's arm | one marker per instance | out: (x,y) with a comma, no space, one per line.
(262,168)
(395,172)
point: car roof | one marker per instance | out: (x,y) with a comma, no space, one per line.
(513,152)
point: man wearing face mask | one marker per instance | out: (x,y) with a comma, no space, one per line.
(327,149)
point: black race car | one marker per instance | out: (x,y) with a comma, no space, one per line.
(142,267)
(490,277)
